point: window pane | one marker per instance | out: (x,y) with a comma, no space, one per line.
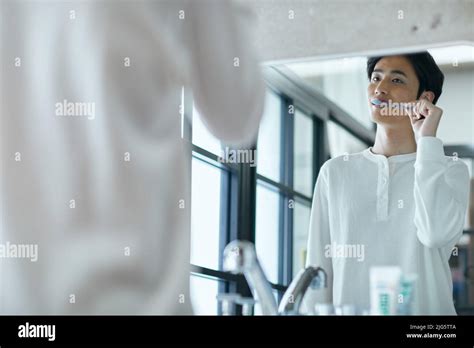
(303,154)
(205,214)
(202,137)
(341,141)
(267,230)
(204,291)
(301,215)
(268,146)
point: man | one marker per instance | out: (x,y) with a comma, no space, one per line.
(401,202)
(94,170)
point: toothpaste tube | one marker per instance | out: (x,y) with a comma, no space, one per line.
(406,298)
(384,289)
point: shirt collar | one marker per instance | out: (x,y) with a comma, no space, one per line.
(396,158)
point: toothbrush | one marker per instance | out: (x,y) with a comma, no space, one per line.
(376,101)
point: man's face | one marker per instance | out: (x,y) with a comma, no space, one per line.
(393,80)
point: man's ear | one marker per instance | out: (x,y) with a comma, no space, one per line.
(427,95)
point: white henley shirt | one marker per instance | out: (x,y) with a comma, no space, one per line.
(405,210)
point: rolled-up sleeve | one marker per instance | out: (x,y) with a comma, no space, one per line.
(441,191)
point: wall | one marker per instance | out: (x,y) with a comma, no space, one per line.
(287,30)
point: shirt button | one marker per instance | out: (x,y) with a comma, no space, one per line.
(384,180)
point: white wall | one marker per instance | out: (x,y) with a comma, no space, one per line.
(457,101)
(291,29)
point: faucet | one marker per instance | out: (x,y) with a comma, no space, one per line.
(240,257)
(314,277)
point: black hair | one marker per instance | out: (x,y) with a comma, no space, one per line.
(429,75)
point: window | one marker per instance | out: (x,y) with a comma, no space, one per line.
(209,205)
(268,195)
(340,81)
(205,214)
(269,145)
(302,212)
(303,154)
(285,177)
(341,141)
(204,291)
(267,230)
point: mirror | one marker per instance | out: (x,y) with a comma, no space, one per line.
(327,114)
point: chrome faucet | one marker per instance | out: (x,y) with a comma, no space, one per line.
(240,257)
(314,277)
